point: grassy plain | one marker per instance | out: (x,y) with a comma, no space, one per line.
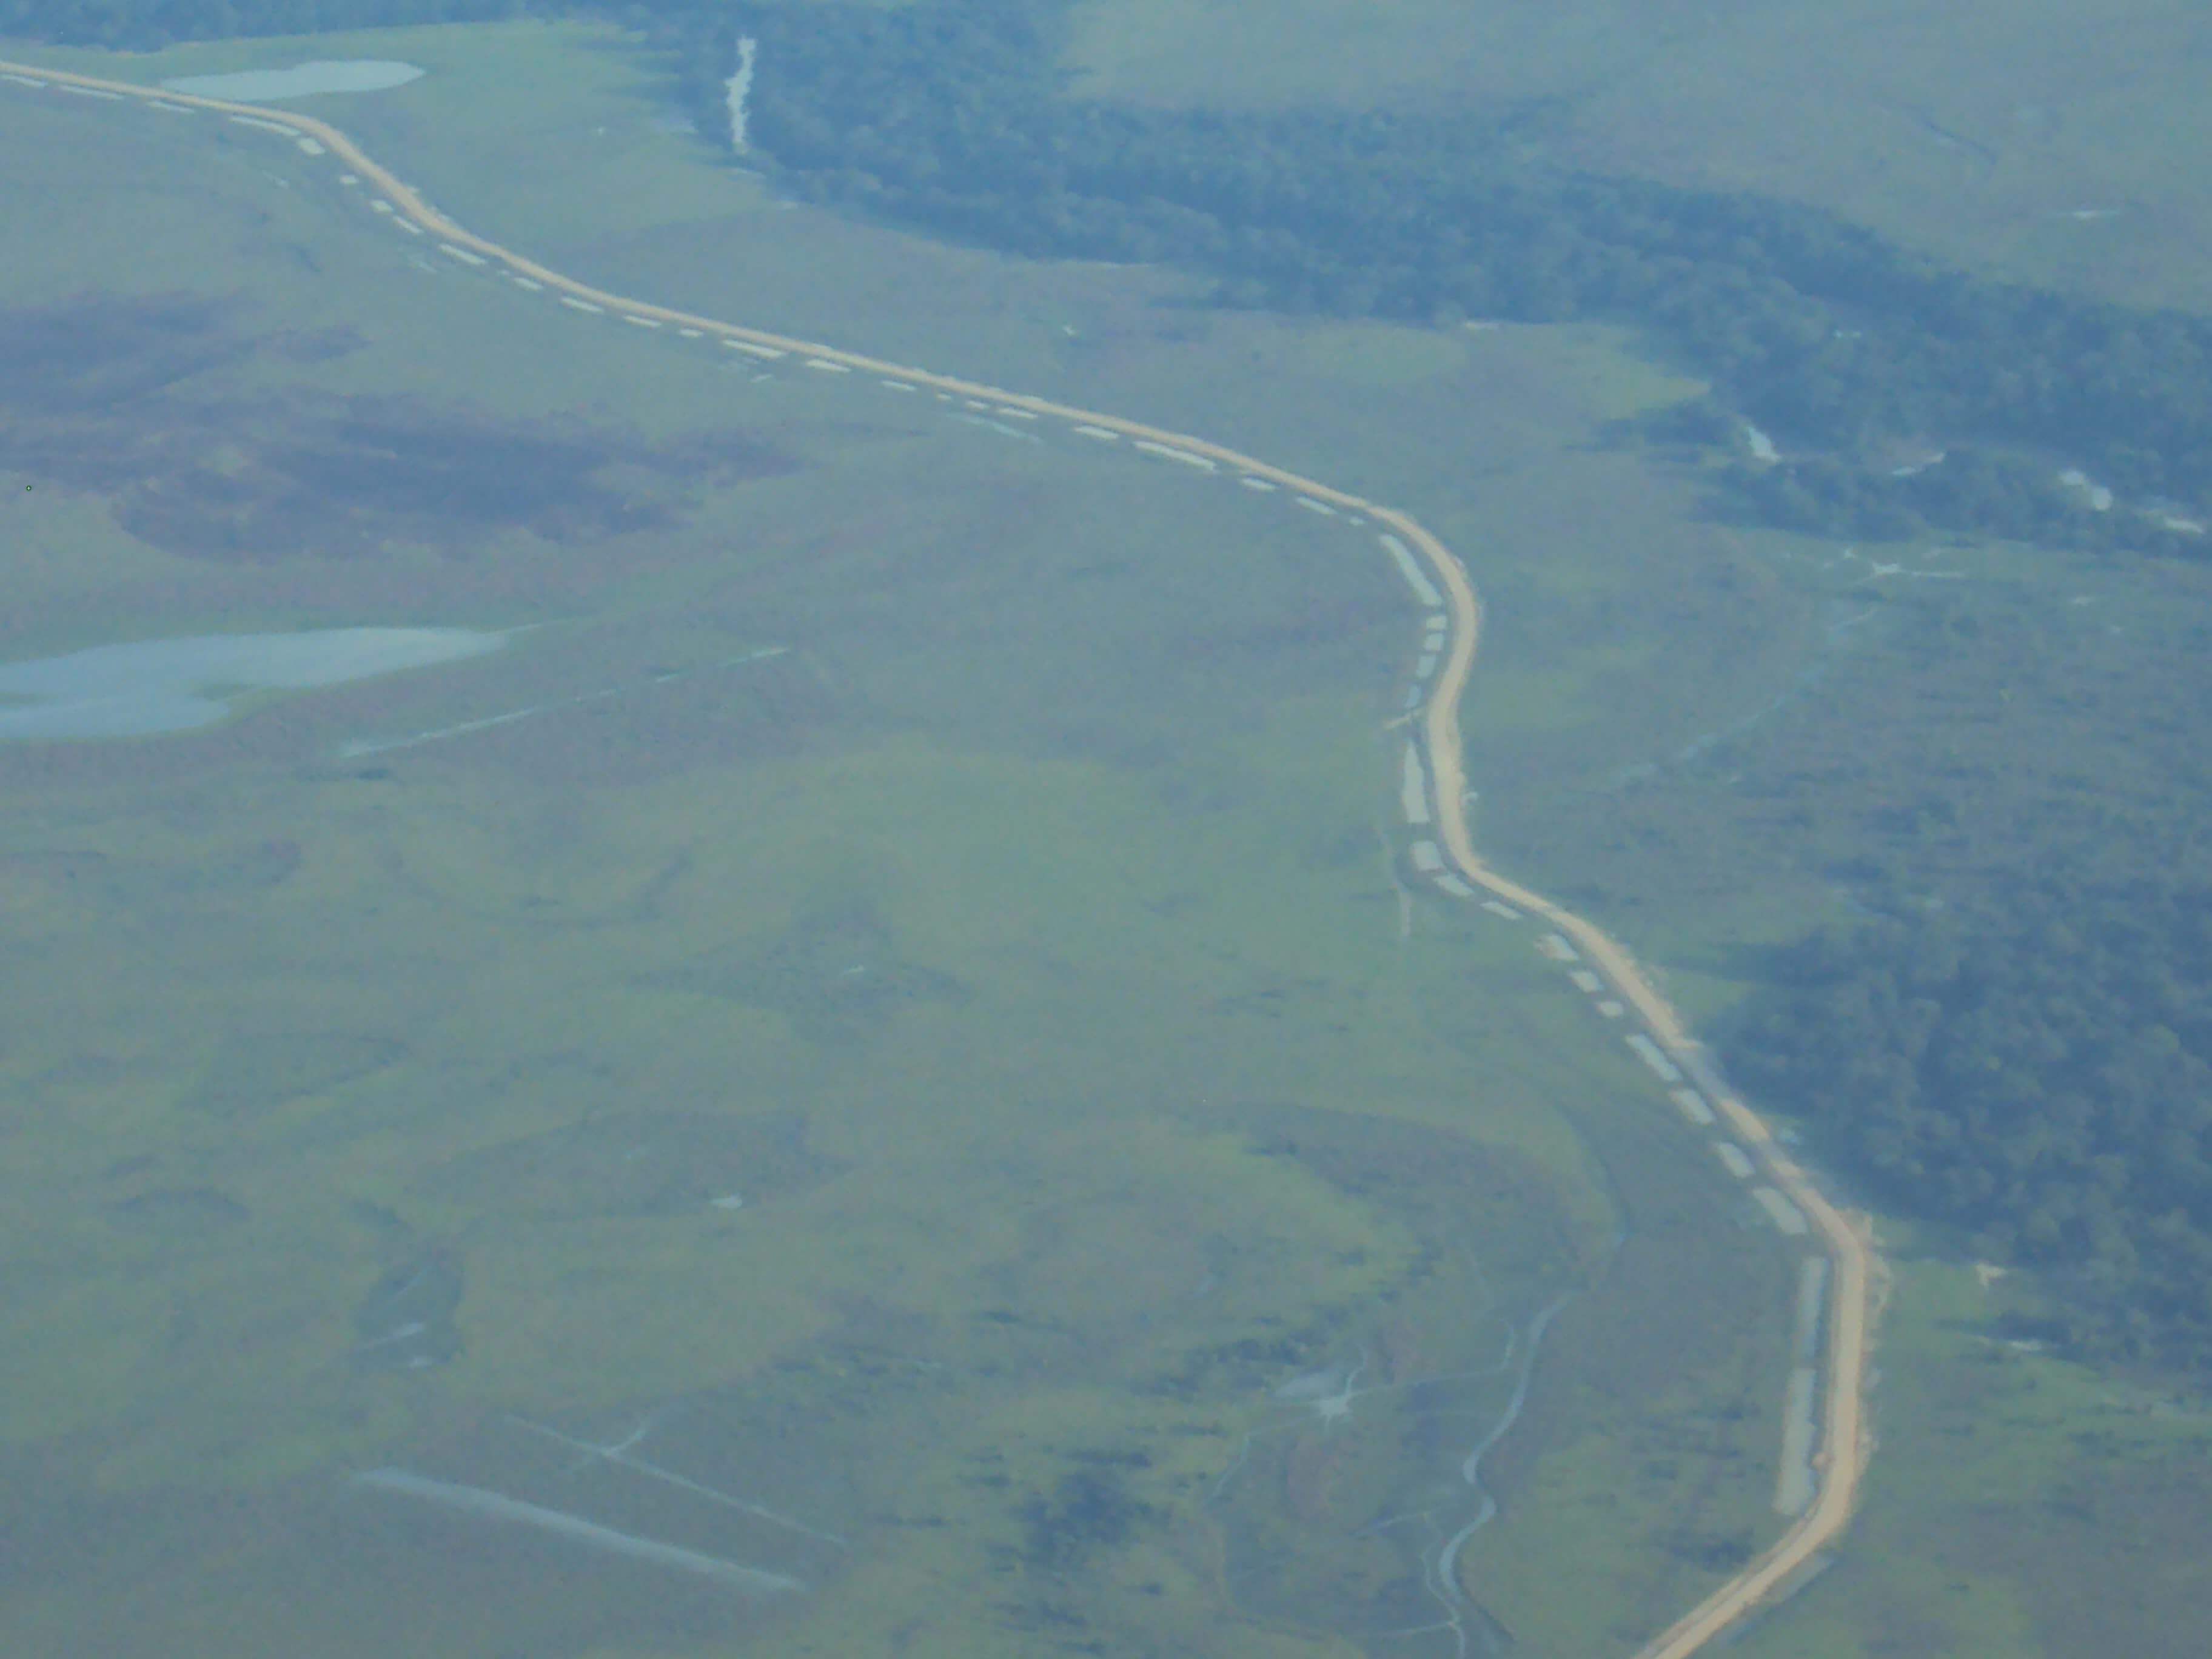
(2086,1493)
(1891,722)
(2047,140)
(972,1085)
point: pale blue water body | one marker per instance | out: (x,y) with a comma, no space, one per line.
(152,686)
(301,81)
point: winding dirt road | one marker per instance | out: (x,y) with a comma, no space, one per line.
(1843,1445)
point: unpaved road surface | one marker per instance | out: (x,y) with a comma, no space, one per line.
(1843,1444)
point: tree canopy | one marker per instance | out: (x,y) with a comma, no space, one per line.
(952,114)
(2040,1074)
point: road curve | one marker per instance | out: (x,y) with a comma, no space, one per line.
(1844,1444)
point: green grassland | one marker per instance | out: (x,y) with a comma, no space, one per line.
(1877,733)
(1143,1106)
(1711,738)
(2089,1491)
(1023,945)
(1976,131)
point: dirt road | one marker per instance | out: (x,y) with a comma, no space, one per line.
(1842,1455)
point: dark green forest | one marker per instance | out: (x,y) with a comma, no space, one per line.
(953,115)
(2039,1075)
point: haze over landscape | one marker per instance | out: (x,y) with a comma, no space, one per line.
(971,827)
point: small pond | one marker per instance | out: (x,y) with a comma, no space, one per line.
(173,685)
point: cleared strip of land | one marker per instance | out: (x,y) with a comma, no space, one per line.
(1664,1043)
(1413,789)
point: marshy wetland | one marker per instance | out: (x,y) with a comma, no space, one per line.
(906,1104)
(910,1104)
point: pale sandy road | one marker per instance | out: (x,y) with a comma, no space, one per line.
(1841,1458)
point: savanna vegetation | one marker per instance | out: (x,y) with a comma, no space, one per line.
(1062,1501)
(2064,1128)
(1862,355)
(953,115)
(740,1006)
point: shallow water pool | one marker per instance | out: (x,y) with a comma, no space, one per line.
(151,686)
